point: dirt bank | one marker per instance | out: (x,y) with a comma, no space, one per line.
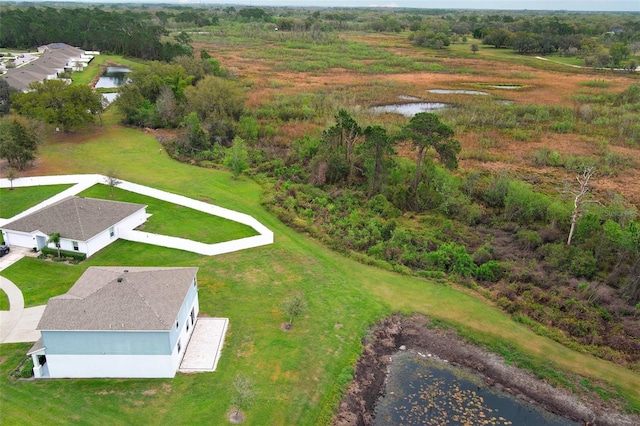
(415,334)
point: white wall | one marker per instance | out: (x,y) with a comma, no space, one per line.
(20,239)
(124,366)
(103,239)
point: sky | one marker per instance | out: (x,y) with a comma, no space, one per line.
(583,5)
(574,5)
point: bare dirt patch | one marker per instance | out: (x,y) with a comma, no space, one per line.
(416,333)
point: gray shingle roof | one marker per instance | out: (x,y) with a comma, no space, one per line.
(144,299)
(54,57)
(75,218)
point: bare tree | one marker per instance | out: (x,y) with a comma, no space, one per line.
(243,395)
(11,176)
(579,199)
(293,307)
(112,180)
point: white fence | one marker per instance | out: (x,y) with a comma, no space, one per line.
(82,182)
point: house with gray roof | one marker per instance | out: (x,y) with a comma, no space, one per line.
(118,322)
(85,225)
(55,58)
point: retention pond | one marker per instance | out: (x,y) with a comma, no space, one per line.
(113,77)
(422,390)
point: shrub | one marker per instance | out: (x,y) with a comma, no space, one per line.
(529,239)
(64,254)
(563,127)
(583,264)
(523,205)
(27,369)
(452,257)
(490,271)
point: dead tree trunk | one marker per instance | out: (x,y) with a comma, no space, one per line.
(577,202)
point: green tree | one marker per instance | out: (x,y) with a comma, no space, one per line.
(5,96)
(237,158)
(474,48)
(498,38)
(19,139)
(378,149)
(340,141)
(57,103)
(196,138)
(427,131)
(218,104)
(618,52)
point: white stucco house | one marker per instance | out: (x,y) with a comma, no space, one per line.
(85,225)
(126,322)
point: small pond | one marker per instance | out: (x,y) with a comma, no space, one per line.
(408,98)
(458,92)
(113,77)
(425,391)
(409,110)
(506,86)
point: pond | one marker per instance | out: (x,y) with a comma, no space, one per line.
(411,109)
(458,92)
(113,77)
(506,86)
(425,391)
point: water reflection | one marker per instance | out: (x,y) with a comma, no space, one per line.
(458,92)
(409,110)
(113,77)
(423,391)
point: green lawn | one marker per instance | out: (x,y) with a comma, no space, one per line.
(4,301)
(16,200)
(176,220)
(298,375)
(40,280)
(87,75)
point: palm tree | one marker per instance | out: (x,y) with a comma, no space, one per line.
(55,239)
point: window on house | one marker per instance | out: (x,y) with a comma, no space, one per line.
(177,324)
(187,326)
(112,232)
(75,246)
(179,346)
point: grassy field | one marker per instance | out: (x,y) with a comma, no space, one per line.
(175,220)
(298,375)
(16,200)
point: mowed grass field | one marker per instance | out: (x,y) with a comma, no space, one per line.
(298,375)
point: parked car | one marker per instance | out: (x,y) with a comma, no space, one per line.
(4,249)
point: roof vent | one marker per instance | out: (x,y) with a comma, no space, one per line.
(120,279)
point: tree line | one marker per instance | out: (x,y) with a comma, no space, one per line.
(128,33)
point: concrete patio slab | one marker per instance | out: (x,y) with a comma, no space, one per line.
(203,350)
